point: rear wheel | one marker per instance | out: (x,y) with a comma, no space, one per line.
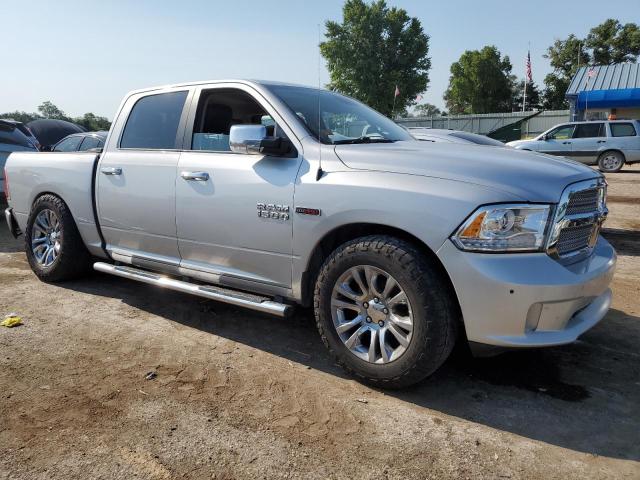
(384,311)
(53,245)
(610,162)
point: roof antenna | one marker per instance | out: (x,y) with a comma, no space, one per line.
(320,172)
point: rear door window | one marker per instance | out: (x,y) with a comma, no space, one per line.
(153,122)
(622,130)
(70,144)
(589,130)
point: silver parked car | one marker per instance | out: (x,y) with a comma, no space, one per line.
(81,142)
(609,144)
(266,196)
(452,136)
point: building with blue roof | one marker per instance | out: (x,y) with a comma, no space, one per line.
(605,91)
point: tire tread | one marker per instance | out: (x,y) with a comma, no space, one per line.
(441,331)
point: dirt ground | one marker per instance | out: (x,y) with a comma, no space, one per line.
(243,395)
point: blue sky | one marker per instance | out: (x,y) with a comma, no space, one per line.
(85,55)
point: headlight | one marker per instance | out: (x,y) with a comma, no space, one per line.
(504,228)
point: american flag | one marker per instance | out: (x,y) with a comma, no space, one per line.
(528,74)
(397,92)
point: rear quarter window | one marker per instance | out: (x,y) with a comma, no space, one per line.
(153,122)
(622,130)
(14,136)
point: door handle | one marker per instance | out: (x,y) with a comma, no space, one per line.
(111,170)
(566,143)
(602,141)
(197,176)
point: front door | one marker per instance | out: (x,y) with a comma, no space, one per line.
(587,139)
(222,198)
(557,141)
(136,180)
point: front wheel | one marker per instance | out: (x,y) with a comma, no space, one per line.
(385,311)
(610,162)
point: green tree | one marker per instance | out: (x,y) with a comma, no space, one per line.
(612,42)
(555,88)
(19,116)
(48,110)
(534,98)
(480,82)
(426,110)
(564,56)
(93,122)
(375,49)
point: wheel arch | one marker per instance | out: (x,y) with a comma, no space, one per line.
(344,233)
(37,196)
(616,150)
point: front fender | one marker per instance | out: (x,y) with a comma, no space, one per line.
(427,208)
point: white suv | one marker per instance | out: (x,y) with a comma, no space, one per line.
(608,144)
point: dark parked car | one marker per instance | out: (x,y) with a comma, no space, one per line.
(81,142)
(50,131)
(452,136)
(11,140)
(26,131)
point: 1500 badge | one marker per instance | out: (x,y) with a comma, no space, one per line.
(273,211)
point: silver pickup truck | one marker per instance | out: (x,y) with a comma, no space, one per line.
(267,196)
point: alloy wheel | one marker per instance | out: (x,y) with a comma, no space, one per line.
(46,238)
(372,314)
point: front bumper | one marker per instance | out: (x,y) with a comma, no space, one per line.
(12,223)
(529,299)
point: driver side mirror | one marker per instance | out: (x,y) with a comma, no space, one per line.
(253,140)
(544,137)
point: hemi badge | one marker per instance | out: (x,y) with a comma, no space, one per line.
(308,211)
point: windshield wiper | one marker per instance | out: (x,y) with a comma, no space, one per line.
(352,141)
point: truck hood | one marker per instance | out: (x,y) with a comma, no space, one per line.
(531,176)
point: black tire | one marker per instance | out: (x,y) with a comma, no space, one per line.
(435,311)
(73,259)
(604,161)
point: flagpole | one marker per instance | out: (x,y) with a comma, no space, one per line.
(393,109)
(586,93)
(526,77)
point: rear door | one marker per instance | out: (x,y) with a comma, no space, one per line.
(588,139)
(136,179)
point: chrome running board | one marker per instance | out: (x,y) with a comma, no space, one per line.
(233,297)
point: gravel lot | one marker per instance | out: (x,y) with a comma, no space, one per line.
(242,395)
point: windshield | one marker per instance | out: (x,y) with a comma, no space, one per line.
(341,119)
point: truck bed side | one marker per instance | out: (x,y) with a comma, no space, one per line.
(67,175)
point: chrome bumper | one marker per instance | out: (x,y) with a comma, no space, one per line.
(530,300)
(12,223)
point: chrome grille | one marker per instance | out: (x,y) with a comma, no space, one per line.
(584,201)
(579,216)
(574,238)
